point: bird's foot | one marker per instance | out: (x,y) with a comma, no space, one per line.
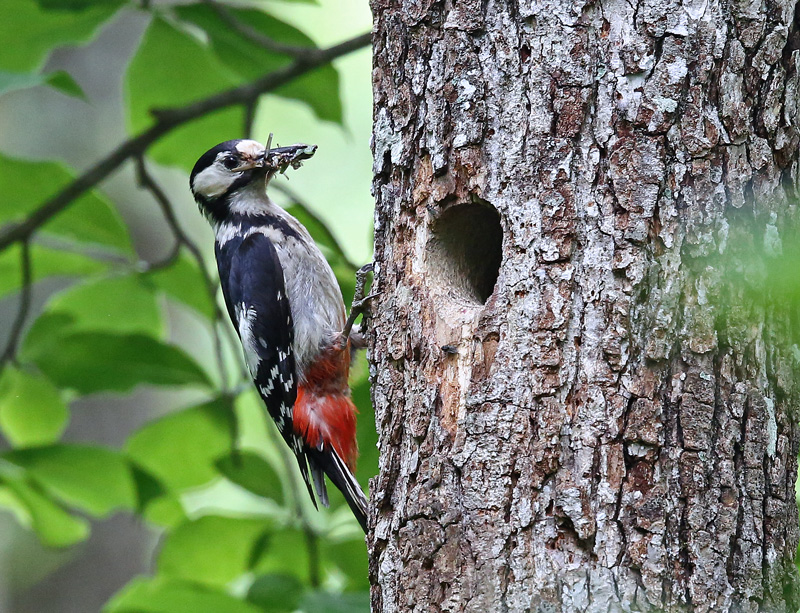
(360,301)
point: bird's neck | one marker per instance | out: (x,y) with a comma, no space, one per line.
(250,201)
(253,211)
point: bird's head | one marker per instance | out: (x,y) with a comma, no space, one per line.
(221,179)
(224,169)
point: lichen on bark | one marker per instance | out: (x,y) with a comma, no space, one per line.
(614,427)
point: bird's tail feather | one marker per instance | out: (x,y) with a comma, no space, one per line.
(329,462)
(303,462)
(319,484)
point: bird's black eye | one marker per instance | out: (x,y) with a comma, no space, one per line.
(230,162)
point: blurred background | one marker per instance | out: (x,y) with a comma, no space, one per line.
(124,496)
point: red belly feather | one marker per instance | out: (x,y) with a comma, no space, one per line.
(323,411)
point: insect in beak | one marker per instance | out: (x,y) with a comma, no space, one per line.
(258,162)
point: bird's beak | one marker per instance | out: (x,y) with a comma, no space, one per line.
(250,164)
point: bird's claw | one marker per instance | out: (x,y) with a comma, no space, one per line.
(359,306)
(360,301)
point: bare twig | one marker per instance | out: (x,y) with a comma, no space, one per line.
(147,181)
(166,121)
(253,35)
(10,352)
(250,117)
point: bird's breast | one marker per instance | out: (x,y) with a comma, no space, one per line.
(315,299)
(316,304)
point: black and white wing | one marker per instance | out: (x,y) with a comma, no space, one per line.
(255,295)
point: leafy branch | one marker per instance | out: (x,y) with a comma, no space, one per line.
(106,332)
(168,120)
(148,182)
(253,35)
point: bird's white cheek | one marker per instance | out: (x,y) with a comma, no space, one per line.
(213,181)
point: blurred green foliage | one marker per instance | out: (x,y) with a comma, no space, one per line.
(107,332)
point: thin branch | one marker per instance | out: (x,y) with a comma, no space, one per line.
(250,117)
(10,352)
(166,121)
(147,181)
(253,35)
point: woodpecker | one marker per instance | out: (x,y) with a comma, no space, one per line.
(288,311)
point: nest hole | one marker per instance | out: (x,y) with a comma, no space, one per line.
(464,252)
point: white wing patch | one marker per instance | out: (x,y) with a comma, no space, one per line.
(246,316)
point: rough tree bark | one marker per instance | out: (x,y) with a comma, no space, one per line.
(610,426)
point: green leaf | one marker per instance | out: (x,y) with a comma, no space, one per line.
(13,505)
(46,262)
(327,602)
(187,554)
(75,342)
(319,89)
(252,472)
(155,503)
(162,595)
(276,593)
(287,554)
(97,361)
(249,60)
(75,5)
(125,305)
(52,524)
(183,281)
(32,411)
(35,31)
(151,83)
(198,436)
(350,557)
(166,511)
(90,219)
(61,80)
(93,479)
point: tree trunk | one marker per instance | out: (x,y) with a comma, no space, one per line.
(607,424)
